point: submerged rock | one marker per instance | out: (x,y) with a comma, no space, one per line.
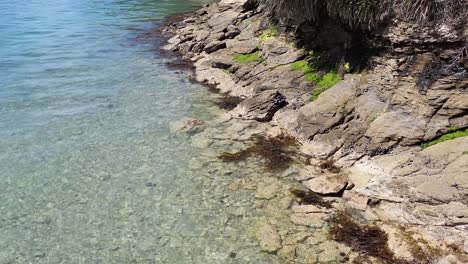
(270,240)
(189,126)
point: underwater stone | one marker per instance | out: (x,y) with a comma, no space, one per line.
(269,239)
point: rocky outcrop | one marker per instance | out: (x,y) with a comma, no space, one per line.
(412,88)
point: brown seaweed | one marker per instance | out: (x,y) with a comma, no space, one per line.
(277,152)
(368,240)
(309,197)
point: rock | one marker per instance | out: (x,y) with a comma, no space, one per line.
(220,21)
(267,189)
(262,106)
(242,47)
(249,5)
(356,200)
(327,184)
(309,208)
(232,32)
(214,46)
(190,126)
(270,240)
(315,220)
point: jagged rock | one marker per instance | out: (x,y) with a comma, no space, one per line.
(262,106)
(232,31)
(249,5)
(270,240)
(220,21)
(214,46)
(327,184)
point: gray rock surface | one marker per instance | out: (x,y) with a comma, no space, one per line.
(372,124)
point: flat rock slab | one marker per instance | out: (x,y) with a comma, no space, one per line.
(214,46)
(267,189)
(315,220)
(270,240)
(327,184)
(242,47)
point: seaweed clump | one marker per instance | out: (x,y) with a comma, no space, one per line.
(368,240)
(309,197)
(277,152)
(329,165)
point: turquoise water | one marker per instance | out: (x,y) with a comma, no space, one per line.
(89,170)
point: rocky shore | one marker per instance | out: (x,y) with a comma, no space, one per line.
(378,181)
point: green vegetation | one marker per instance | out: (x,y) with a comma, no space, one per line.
(323,82)
(465,152)
(329,79)
(303,66)
(449,136)
(453,129)
(269,33)
(316,93)
(312,77)
(245,58)
(370,13)
(347,67)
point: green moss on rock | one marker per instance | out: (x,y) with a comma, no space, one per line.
(303,66)
(245,58)
(269,33)
(446,137)
(328,80)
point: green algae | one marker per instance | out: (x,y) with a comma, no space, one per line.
(269,33)
(323,82)
(302,65)
(329,80)
(246,58)
(451,135)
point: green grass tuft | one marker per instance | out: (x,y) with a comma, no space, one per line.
(246,58)
(303,66)
(312,77)
(453,129)
(269,33)
(465,152)
(446,137)
(329,79)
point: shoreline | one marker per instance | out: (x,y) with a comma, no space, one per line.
(376,186)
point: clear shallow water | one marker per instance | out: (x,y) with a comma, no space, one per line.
(89,171)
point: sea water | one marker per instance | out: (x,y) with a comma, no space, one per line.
(89,170)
